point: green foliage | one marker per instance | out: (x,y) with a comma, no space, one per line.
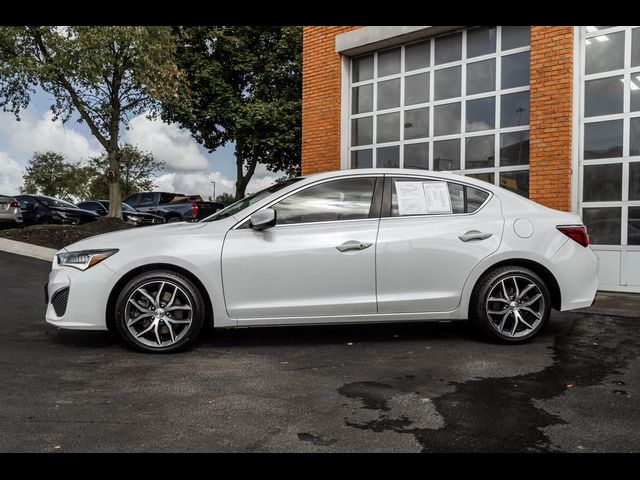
(242,84)
(137,169)
(225,198)
(105,74)
(49,174)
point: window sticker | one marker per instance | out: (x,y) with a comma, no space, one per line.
(411,198)
(437,197)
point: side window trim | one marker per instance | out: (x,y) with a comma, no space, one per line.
(387,196)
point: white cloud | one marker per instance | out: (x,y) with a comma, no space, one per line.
(33,134)
(10,175)
(168,143)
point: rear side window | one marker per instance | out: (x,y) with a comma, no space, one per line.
(167,197)
(418,196)
(346,199)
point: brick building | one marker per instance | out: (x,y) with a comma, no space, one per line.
(551,112)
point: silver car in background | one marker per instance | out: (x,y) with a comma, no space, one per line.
(10,213)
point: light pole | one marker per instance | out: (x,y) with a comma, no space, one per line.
(213,199)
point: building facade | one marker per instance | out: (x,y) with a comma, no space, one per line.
(549,112)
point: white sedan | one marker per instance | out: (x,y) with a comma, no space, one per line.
(355,246)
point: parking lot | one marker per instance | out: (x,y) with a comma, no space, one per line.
(391,388)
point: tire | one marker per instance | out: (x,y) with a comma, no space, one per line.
(173,219)
(505,314)
(163,328)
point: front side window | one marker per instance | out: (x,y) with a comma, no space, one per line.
(345,199)
(146,199)
(419,196)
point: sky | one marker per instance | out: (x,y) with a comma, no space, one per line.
(189,168)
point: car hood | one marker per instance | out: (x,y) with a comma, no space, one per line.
(149,235)
(77,211)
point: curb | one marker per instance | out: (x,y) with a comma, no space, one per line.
(27,249)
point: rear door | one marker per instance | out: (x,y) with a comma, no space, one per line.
(432,234)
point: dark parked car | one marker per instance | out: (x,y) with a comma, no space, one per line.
(173,207)
(44,210)
(129,214)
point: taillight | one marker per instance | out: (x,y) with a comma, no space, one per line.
(194,206)
(577,233)
(14,204)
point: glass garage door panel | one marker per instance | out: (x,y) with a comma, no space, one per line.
(609,194)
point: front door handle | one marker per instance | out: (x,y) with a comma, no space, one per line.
(353,245)
(474,235)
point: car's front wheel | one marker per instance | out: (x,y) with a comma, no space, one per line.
(511,304)
(159,311)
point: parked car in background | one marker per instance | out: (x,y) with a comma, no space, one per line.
(202,209)
(173,207)
(353,246)
(129,214)
(40,209)
(10,212)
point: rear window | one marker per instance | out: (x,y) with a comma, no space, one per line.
(417,196)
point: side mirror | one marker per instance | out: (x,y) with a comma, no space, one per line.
(263,219)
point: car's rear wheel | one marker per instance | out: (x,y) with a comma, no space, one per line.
(159,311)
(511,304)
(173,219)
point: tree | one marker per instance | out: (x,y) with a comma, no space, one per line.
(48,174)
(242,84)
(137,169)
(103,74)
(225,198)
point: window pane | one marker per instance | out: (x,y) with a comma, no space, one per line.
(603,96)
(517,182)
(634,181)
(603,225)
(447,119)
(481,41)
(603,139)
(481,114)
(634,85)
(347,199)
(417,56)
(515,70)
(590,29)
(480,152)
(456,193)
(389,62)
(514,109)
(361,131)
(604,53)
(363,68)
(447,83)
(475,197)
(416,155)
(389,94)
(481,77)
(388,157)
(388,127)
(448,49)
(635,47)
(416,123)
(362,159)
(446,155)
(515,36)
(602,183)
(416,89)
(514,148)
(362,99)
(633,226)
(634,141)
(485,177)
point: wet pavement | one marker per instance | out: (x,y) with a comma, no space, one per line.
(361,388)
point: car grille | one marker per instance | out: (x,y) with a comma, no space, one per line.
(59,301)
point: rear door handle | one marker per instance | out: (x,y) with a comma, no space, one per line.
(474,235)
(353,245)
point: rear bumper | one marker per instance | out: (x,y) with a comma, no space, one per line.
(576,270)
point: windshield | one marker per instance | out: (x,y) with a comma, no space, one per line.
(54,202)
(248,201)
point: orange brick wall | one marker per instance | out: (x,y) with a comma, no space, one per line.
(551,119)
(321,99)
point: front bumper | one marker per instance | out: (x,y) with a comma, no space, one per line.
(87,297)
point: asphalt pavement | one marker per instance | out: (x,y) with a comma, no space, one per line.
(362,388)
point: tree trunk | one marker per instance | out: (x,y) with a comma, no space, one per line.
(115,195)
(243,179)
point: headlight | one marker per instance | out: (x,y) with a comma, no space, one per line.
(59,213)
(133,218)
(84,259)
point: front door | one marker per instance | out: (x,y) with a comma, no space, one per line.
(432,234)
(318,260)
